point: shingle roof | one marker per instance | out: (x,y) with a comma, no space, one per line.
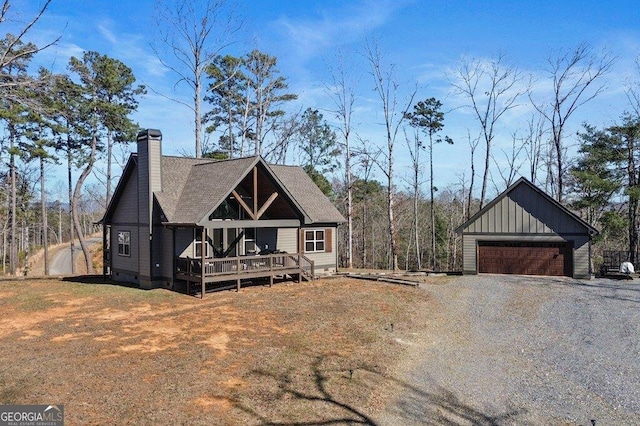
(208,185)
(191,188)
(175,172)
(306,193)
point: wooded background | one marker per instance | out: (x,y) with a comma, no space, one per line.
(242,105)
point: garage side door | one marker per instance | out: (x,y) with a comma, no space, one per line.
(525,258)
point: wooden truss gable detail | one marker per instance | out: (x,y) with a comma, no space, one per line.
(254,212)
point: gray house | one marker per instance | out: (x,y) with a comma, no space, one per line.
(204,221)
(525,231)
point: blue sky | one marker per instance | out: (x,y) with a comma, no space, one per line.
(424,39)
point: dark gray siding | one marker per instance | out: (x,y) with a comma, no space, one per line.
(125,218)
(525,211)
(126,211)
(124,268)
(581,257)
(525,215)
(163,258)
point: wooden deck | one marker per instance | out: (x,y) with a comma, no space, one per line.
(229,269)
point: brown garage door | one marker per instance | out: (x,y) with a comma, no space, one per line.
(524,258)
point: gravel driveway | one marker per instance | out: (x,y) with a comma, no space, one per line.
(524,350)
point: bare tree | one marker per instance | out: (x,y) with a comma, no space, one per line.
(633,89)
(341,93)
(491,88)
(473,145)
(513,160)
(386,87)
(573,74)
(534,145)
(194,34)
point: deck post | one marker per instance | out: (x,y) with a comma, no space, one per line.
(270,270)
(202,255)
(238,265)
(299,268)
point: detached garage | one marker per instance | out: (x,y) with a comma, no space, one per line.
(525,231)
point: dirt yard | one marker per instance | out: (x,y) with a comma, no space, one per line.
(320,352)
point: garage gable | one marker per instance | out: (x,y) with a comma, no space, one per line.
(525,231)
(525,209)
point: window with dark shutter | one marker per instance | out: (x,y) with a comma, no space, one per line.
(314,241)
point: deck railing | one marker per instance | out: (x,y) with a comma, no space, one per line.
(216,267)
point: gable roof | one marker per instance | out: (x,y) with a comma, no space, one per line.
(205,186)
(192,188)
(525,182)
(310,199)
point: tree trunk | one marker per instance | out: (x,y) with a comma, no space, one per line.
(197,111)
(433,215)
(416,232)
(45,221)
(13,248)
(632,213)
(349,207)
(393,239)
(472,181)
(364,234)
(560,164)
(75,201)
(485,175)
(109,154)
(71,209)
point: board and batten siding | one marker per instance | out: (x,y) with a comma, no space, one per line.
(524,212)
(525,216)
(125,218)
(162,255)
(582,257)
(124,268)
(127,208)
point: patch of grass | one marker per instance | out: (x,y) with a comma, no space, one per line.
(35,303)
(311,353)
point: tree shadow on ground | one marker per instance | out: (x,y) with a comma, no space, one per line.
(331,404)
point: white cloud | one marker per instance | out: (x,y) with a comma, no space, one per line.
(107,33)
(310,37)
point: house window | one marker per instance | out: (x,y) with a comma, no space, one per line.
(197,246)
(314,241)
(124,243)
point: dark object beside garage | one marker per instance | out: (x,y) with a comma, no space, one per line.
(525,231)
